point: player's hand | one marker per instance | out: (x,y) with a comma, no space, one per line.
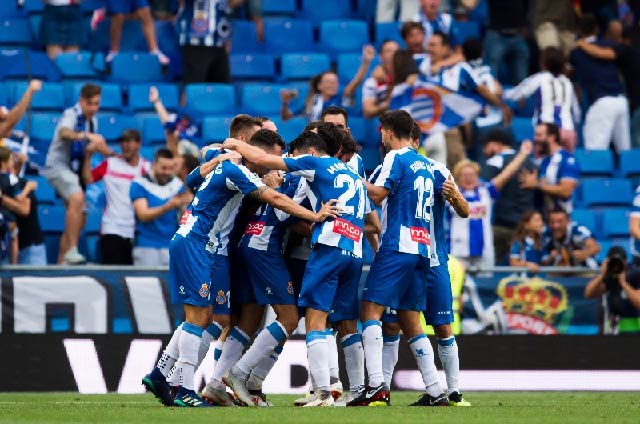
(528,179)
(273,179)
(35,85)
(154,96)
(287,95)
(526,147)
(368,53)
(449,189)
(207,167)
(328,210)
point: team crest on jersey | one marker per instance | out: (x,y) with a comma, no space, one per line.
(268,290)
(290,288)
(204,290)
(221,298)
(185,217)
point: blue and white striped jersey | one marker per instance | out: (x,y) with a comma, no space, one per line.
(203,23)
(266,229)
(407,212)
(357,165)
(439,245)
(329,178)
(555,99)
(210,217)
(458,78)
(527,250)
(473,236)
(556,167)
(635,213)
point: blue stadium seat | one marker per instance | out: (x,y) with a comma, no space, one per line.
(130,67)
(210,98)
(153,131)
(44,193)
(91,5)
(348,64)
(343,36)
(76,65)
(370,157)
(606,192)
(387,31)
(288,36)
(595,162)
(14,32)
(291,128)
(9,9)
(587,218)
(215,128)
(111,126)
(148,152)
(110,99)
(139,96)
(358,128)
(304,66)
(51,97)
(51,218)
(94,221)
(253,66)
(615,223)
(630,163)
(244,38)
(43,126)
(522,129)
(33,6)
(261,99)
(605,245)
(325,10)
(466,29)
(278,7)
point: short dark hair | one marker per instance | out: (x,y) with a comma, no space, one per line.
(332,136)
(498,135)
(5,154)
(313,125)
(407,27)
(403,65)
(90,90)
(241,123)
(416,132)
(130,135)
(588,24)
(334,110)
(446,41)
(398,121)
(472,49)
(552,59)
(266,138)
(189,162)
(163,153)
(552,129)
(306,140)
(349,144)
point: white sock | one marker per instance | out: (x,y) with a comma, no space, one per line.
(170,354)
(332,345)
(260,371)
(318,355)
(354,360)
(262,347)
(423,352)
(236,341)
(448,354)
(389,356)
(217,353)
(372,344)
(188,345)
(211,333)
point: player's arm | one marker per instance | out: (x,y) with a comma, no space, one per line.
(368,52)
(376,193)
(286,204)
(255,154)
(455,198)
(13,116)
(20,206)
(372,227)
(500,180)
(606,53)
(144,213)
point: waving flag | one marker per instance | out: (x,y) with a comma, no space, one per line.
(435,108)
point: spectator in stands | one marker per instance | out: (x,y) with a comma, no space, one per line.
(413,36)
(324,91)
(433,21)
(472,51)
(627,56)
(472,239)
(61,27)
(554,24)
(634,229)
(556,101)
(204,35)
(117,172)
(607,118)
(568,243)
(527,248)
(558,173)
(156,198)
(386,10)
(504,38)
(76,130)
(10,118)
(118,10)
(614,31)
(513,201)
(374,89)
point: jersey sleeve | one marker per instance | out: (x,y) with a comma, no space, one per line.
(303,166)
(194,179)
(516,250)
(211,153)
(569,169)
(493,190)
(68,120)
(99,171)
(137,191)
(369,89)
(241,179)
(468,79)
(525,89)
(390,173)
(583,233)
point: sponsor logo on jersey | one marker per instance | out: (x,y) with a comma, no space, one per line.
(477,211)
(185,217)
(254,228)
(221,298)
(347,229)
(420,235)
(204,290)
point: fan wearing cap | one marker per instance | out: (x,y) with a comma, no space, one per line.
(117,173)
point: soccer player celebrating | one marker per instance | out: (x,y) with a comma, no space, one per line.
(330,283)
(199,264)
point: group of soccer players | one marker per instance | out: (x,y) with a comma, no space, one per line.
(286,230)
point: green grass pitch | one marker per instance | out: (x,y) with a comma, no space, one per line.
(494,407)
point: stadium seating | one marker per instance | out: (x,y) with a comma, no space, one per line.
(210,98)
(328,10)
(605,245)
(135,67)
(288,36)
(522,129)
(606,192)
(215,128)
(260,99)
(630,163)
(343,36)
(76,65)
(43,125)
(111,126)
(465,30)
(358,128)
(615,223)
(253,66)
(587,218)
(52,218)
(291,128)
(595,162)
(44,192)
(110,99)
(387,31)
(139,96)
(304,66)
(24,64)
(244,38)
(279,7)
(15,31)
(153,131)
(51,97)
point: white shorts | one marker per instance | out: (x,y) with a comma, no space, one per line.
(607,120)
(150,256)
(64,181)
